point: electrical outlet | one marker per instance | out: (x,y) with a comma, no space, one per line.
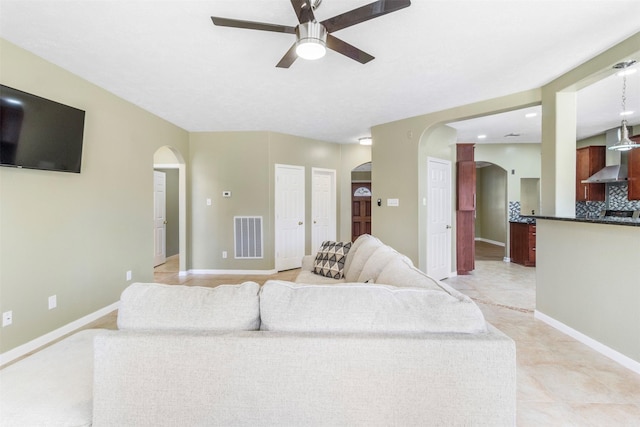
(224,254)
(7,318)
(128,275)
(53,302)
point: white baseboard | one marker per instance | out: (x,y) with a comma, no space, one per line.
(612,354)
(493,242)
(506,259)
(238,272)
(45,339)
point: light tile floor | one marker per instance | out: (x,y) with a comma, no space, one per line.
(560,381)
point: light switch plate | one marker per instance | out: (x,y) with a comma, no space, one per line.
(7,318)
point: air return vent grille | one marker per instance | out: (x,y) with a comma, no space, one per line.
(248,237)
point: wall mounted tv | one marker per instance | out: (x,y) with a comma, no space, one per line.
(37,133)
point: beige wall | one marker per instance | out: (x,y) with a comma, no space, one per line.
(588,280)
(244,163)
(523,159)
(76,235)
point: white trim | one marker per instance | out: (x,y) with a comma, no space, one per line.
(238,272)
(47,338)
(183,273)
(166,165)
(612,354)
(506,259)
(453,274)
(493,242)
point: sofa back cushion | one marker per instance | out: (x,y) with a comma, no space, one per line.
(361,254)
(354,248)
(401,272)
(376,262)
(357,307)
(153,306)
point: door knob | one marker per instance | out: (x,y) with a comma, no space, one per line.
(299,222)
(448,227)
(165,222)
(315,222)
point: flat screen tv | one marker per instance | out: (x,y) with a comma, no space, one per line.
(37,133)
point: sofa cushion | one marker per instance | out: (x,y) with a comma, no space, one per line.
(358,307)
(330,259)
(360,257)
(376,262)
(401,272)
(153,306)
(354,248)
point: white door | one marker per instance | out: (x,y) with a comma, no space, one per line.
(159,218)
(438,218)
(289,213)
(323,206)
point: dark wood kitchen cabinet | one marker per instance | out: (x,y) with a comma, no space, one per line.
(634,171)
(589,160)
(523,243)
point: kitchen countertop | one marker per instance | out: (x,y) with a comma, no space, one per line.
(613,221)
(524,220)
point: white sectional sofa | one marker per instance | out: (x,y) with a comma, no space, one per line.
(342,352)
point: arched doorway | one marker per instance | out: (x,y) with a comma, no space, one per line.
(170,162)
(491,212)
(361,200)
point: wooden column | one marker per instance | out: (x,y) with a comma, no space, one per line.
(465,208)
(634,171)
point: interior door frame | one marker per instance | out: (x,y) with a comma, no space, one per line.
(159,224)
(448,215)
(279,264)
(316,241)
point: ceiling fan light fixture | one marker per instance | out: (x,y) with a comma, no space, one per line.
(311,40)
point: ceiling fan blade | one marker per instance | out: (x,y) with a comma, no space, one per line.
(236,23)
(346,49)
(303,10)
(288,58)
(364,13)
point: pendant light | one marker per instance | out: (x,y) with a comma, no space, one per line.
(624,143)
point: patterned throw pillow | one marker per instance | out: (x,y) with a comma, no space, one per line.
(330,259)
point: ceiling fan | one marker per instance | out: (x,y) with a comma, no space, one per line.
(313,37)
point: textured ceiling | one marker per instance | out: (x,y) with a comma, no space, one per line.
(168,58)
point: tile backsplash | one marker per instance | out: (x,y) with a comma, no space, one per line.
(616,199)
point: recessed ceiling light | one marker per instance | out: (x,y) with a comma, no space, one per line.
(367,140)
(482,136)
(529,115)
(626,113)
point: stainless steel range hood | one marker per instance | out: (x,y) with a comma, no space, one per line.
(612,172)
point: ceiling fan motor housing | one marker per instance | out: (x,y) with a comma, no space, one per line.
(311,40)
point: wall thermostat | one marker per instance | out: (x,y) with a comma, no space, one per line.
(226,194)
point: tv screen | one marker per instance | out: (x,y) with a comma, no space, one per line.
(37,133)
